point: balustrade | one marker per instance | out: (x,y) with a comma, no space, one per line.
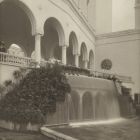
(9,59)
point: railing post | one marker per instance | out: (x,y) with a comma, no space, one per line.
(38,48)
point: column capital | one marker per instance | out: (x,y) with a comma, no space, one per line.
(65,46)
(38,34)
(77,54)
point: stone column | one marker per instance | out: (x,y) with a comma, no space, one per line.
(77,60)
(38,48)
(64,56)
(85,64)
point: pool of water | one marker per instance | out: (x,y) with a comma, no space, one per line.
(123,130)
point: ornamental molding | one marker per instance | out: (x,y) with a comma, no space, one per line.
(80,15)
(118,34)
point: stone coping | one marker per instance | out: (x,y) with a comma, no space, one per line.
(55,135)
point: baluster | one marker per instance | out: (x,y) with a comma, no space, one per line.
(18,60)
(9,58)
(5,57)
(22,61)
(15,58)
(2,57)
(26,62)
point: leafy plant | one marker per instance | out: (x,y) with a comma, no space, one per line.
(2,89)
(35,95)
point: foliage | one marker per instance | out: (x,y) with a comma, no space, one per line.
(2,89)
(35,95)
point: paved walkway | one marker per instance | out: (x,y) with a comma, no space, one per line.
(126,130)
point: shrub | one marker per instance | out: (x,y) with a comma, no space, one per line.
(35,95)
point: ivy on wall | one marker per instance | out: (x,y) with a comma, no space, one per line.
(34,95)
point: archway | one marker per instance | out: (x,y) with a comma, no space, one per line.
(91,60)
(83,56)
(74,100)
(72,50)
(87,106)
(16,26)
(53,39)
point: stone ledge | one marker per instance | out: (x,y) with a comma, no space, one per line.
(55,135)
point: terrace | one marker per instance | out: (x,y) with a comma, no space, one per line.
(26,62)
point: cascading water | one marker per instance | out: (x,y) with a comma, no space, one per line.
(100,106)
(91,99)
(100,103)
(106,106)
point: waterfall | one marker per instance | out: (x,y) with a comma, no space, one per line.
(96,106)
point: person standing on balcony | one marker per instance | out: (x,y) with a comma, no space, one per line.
(2,47)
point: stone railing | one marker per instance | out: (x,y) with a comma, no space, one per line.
(9,59)
(125,79)
(69,69)
(73,70)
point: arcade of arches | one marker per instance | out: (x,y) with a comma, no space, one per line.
(16,28)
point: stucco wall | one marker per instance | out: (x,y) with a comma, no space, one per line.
(103,16)
(6,72)
(122,48)
(123,15)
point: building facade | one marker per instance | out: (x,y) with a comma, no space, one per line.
(48,29)
(122,49)
(69,31)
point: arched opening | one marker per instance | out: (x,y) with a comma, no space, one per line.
(15,26)
(53,40)
(83,56)
(72,49)
(91,60)
(87,106)
(74,100)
